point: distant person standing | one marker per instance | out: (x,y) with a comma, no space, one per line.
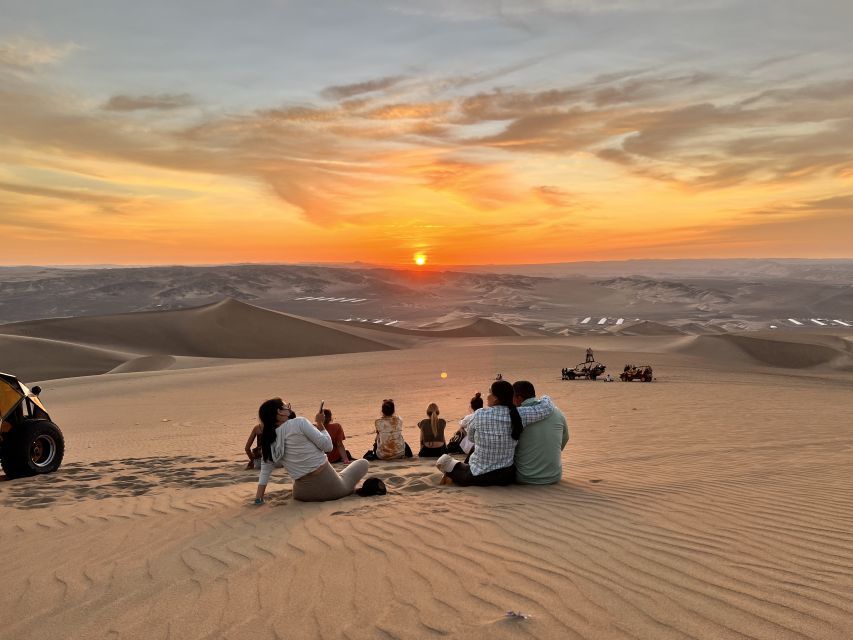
(589,356)
(538,457)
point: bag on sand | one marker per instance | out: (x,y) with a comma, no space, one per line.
(372,487)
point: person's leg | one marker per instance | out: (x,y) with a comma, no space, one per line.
(325,485)
(498,477)
(461,474)
(352,474)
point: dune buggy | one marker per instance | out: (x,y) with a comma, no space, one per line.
(642,372)
(30,444)
(590,369)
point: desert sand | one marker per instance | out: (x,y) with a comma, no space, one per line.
(715,502)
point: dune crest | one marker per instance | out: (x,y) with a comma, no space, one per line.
(150,340)
(769,351)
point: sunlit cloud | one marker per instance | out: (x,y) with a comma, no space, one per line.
(340,92)
(26,53)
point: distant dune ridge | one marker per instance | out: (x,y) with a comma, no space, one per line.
(151,340)
(775,350)
(714,295)
(230,330)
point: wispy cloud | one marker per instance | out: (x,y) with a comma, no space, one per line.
(28,54)
(158,102)
(339,92)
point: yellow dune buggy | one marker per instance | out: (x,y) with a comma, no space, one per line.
(30,444)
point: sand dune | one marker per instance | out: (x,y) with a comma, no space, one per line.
(699,506)
(645,328)
(791,352)
(44,359)
(151,340)
(466,327)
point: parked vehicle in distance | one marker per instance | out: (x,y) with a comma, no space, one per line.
(30,444)
(589,370)
(641,372)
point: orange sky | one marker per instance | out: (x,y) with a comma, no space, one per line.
(151,150)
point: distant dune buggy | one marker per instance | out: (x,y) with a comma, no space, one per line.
(30,444)
(642,372)
(590,369)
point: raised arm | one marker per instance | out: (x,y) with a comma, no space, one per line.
(321,439)
(536,412)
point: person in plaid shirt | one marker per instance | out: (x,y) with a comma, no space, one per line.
(495,431)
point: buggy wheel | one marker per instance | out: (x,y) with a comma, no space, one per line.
(571,375)
(592,376)
(32,448)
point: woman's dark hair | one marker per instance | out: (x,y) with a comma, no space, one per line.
(477,401)
(268,415)
(502,390)
(327,416)
(388,407)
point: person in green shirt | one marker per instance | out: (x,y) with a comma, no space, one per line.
(538,454)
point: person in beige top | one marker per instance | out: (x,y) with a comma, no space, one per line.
(389,443)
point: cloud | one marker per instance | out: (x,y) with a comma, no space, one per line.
(159,102)
(402,111)
(555,196)
(334,162)
(62,194)
(502,9)
(27,54)
(339,92)
(808,208)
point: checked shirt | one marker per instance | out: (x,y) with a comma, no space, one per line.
(491,431)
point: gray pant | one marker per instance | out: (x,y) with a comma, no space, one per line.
(328,484)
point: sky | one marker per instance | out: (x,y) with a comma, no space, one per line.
(462,132)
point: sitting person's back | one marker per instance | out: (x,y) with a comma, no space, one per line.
(538,456)
(389,434)
(432,434)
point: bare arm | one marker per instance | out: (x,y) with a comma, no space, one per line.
(343,453)
(252,436)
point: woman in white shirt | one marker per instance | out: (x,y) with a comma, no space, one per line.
(302,447)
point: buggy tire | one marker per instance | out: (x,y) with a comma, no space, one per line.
(32,448)
(571,375)
(592,377)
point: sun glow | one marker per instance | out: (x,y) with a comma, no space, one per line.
(420,259)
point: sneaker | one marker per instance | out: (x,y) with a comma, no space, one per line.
(445,463)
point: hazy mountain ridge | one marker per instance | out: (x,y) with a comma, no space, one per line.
(414,298)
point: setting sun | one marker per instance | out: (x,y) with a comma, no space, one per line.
(420,259)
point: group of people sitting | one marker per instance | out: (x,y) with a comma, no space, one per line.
(514,438)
